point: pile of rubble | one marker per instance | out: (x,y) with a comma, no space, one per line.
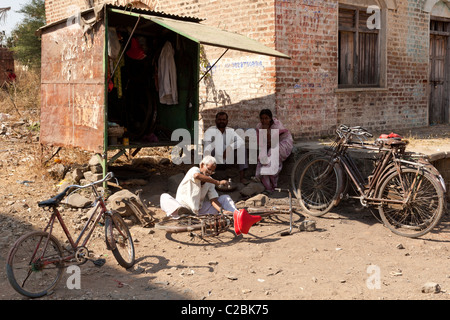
(14,130)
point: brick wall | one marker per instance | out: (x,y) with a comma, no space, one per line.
(404,102)
(302,92)
(61,9)
(305,96)
(306,30)
(240,84)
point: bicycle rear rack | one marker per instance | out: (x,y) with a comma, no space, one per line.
(213,224)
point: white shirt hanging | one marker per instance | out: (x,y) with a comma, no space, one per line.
(167,76)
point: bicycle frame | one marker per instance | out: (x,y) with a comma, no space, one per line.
(386,164)
(74,244)
(38,250)
(407,190)
(85,233)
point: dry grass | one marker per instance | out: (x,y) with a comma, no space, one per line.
(21,99)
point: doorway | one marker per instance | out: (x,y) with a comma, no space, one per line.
(439,71)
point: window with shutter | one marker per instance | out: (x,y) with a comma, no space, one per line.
(359,50)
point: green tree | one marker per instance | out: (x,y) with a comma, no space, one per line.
(26,45)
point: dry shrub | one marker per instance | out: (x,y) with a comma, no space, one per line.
(21,99)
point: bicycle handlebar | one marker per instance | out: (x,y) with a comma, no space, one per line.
(357,131)
(58,198)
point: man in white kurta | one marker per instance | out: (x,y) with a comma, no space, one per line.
(197,193)
(226,145)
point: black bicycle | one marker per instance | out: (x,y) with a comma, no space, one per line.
(407,190)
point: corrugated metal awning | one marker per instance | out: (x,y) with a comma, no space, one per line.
(208,35)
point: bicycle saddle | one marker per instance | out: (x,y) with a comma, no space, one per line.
(53,202)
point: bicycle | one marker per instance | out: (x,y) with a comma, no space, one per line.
(407,190)
(211,225)
(37,259)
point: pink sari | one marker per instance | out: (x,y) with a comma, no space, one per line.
(285,146)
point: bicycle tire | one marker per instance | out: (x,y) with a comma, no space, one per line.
(298,167)
(29,277)
(419,216)
(318,193)
(119,240)
(186,223)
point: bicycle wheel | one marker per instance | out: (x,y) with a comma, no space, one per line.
(34,265)
(424,208)
(319,186)
(300,165)
(119,240)
(185,223)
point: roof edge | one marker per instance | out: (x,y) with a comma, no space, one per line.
(100,8)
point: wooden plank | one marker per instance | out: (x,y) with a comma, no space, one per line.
(346,60)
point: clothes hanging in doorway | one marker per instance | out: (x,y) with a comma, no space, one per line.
(167,76)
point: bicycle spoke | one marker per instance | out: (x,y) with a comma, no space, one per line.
(422,203)
(118,235)
(34,266)
(318,186)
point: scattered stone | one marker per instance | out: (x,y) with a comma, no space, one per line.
(76,200)
(307,225)
(400,246)
(431,287)
(97,168)
(57,171)
(92,177)
(77,174)
(274,272)
(94,161)
(397,273)
(252,188)
(257,201)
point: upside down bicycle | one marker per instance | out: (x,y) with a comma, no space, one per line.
(37,259)
(407,190)
(211,225)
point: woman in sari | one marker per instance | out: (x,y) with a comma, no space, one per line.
(275,146)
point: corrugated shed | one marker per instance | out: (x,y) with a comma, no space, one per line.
(100,9)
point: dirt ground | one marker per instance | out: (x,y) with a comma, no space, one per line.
(350,256)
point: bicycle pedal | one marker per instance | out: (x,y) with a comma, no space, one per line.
(99,262)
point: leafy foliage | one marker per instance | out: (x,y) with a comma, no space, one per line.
(25,44)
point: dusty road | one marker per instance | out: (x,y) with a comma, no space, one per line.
(350,256)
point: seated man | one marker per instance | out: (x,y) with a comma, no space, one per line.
(193,190)
(226,141)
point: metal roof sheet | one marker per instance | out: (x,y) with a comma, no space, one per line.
(208,35)
(99,8)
